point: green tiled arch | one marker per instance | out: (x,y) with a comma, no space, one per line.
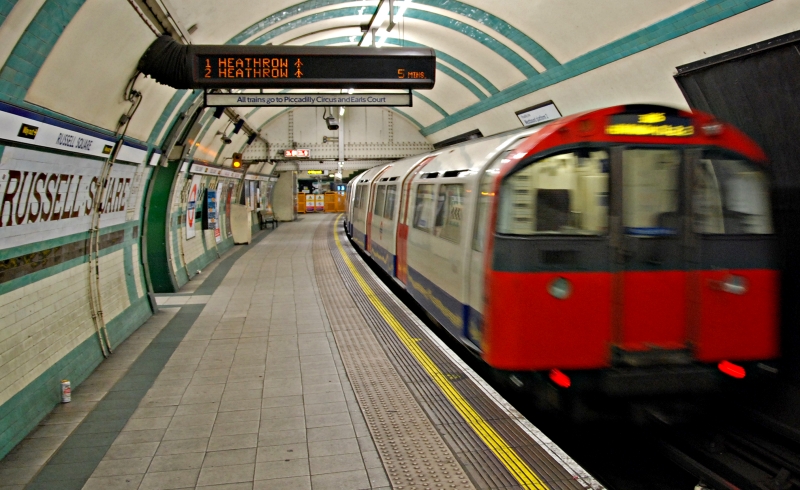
(696,17)
(499,48)
(455,6)
(497,24)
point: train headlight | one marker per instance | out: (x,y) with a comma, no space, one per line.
(560,288)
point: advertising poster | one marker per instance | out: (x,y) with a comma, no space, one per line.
(211,209)
(253,196)
(228,210)
(190,206)
(217,233)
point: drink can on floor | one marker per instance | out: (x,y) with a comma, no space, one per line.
(66,391)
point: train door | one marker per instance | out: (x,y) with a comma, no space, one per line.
(650,281)
(734,284)
(373,186)
(403,217)
(476,255)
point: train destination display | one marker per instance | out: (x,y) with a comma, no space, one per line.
(312,67)
(652,124)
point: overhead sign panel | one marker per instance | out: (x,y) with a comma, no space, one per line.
(311,67)
(538,114)
(317,99)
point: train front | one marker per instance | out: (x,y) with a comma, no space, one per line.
(632,255)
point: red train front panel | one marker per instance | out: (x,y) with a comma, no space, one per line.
(630,232)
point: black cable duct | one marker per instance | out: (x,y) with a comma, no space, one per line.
(168,62)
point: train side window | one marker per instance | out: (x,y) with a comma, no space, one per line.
(423,207)
(650,191)
(561,194)
(380,198)
(731,196)
(359,201)
(449,210)
(391,193)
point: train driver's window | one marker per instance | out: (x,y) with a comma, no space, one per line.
(388,209)
(650,192)
(449,209)
(561,194)
(731,196)
(423,207)
(380,197)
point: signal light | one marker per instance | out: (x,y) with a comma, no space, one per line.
(237,160)
(731,369)
(559,378)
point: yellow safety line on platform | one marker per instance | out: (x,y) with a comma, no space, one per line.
(505,453)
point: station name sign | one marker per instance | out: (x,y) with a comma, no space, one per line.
(311,67)
(317,99)
(652,124)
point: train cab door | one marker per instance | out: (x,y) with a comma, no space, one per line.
(734,284)
(650,307)
(373,187)
(403,218)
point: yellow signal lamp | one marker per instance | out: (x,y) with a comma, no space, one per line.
(237,160)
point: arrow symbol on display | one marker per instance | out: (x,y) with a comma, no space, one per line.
(298,73)
(298,63)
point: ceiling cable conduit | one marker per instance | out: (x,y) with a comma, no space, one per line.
(168,62)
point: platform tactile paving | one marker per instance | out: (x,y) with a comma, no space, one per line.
(483,466)
(413,453)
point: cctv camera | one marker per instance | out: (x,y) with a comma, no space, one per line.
(332,123)
(227,141)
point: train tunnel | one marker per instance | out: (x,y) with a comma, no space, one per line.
(118,187)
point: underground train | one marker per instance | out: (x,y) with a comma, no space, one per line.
(625,251)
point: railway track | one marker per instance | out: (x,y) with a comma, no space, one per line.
(737,454)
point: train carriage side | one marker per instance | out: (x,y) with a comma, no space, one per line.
(348,210)
(440,222)
(361,199)
(385,211)
(637,238)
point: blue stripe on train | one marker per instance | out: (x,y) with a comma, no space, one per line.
(384,258)
(447,310)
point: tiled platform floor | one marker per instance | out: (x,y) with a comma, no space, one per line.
(253,397)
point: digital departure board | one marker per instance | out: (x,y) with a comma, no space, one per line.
(312,67)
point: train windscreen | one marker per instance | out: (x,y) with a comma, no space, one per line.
(731,196)
(561,194)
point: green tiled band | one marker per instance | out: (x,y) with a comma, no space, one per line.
(689,20)
(498,25)
(23,411)
(5,9)
(430,103)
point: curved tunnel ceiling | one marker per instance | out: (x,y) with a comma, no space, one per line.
(493,57)
(488,53)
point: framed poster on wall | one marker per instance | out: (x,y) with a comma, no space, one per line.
(191,204)
(228,210)
(217,233)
